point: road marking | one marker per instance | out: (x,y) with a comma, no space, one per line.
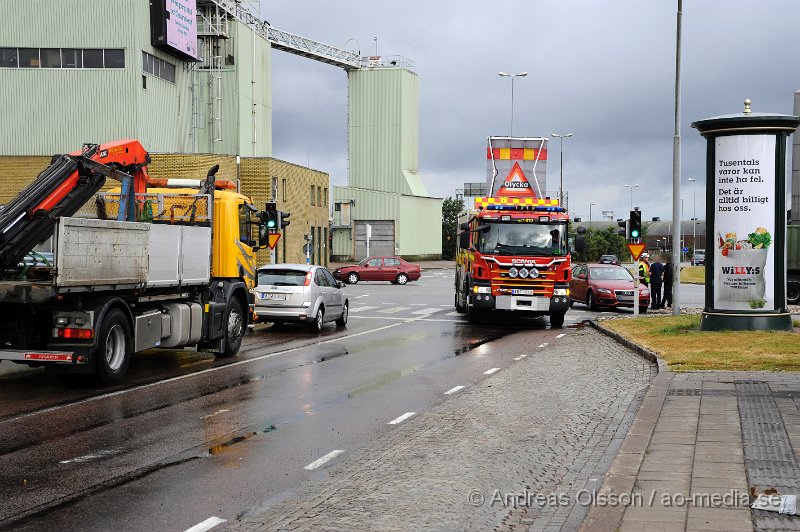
(215,413)
(426,311)
(577,311)
(208,524)
(402,418)
(393,310)
(417,304)
(361,309)
(320,461)
(490,371)
(453,390)
(448,305)
(89,457)
(562,335)
(358,297)
(520,357)
(456,313)
(544,344)
(409,319)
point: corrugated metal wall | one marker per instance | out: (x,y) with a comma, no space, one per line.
(56,110)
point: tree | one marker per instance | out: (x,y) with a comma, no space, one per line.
(451,208)
(602,242)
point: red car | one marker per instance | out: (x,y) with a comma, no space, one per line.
(392,269)
(605,285)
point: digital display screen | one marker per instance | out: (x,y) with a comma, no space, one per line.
(174,26)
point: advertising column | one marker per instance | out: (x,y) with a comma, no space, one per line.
(746,221)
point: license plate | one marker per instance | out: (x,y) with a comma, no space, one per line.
(274,297)
(521,292)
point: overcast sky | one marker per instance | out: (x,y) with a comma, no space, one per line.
(601,70)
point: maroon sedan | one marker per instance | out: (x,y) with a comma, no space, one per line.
(392,269)
(605,285)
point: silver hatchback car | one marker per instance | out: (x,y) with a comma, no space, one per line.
(300,292)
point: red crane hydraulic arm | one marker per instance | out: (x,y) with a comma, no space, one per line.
(63,188)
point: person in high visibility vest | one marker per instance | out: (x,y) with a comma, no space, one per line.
(644,270)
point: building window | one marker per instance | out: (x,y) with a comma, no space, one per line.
(326,197)
(62,58)
(313,195)
(158,67)
(284,190)
(319,196)
(274,191)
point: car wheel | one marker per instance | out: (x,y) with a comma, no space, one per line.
(341,321)
(319,319)
(352,278)
(642,310)
(113,352)
(793,293)
(234,330)
(401,278)
(590,302)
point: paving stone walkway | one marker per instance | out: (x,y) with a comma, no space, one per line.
(523,449)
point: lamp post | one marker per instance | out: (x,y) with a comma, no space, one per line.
(694,214)
(590,214)
(512,76)
(632,187)
(561,164)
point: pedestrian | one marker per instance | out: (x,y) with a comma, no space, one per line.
(644,270)
(666,299)
(656,279)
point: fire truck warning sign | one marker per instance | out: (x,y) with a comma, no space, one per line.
(744,222)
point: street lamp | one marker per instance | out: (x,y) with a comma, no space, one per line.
(632,187)
(590,213)
(512,76)
(694,213)
(561,165)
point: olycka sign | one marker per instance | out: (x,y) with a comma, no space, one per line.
(515,184)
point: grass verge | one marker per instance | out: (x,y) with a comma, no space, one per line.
(680,343)
(693,274)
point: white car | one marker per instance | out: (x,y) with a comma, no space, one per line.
(300,293)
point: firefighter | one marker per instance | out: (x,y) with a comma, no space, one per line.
(644,270)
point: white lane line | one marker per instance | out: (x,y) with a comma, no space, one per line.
(577,311)
(417,304)
(215,413)
(208,524)
(320,461)
(455,313)
(361,309)
(408,318)
(490,371)
(453,390)
(520,357)
(448,305)
(393,310)
(358,297)
(429,310)
(544,344)
(562,335)
(89,457)
(402,418)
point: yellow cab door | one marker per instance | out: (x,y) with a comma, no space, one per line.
(233,240)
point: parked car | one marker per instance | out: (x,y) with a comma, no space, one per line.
(605,285)
(300,293)
(393,269)
(699,257)
(609,259)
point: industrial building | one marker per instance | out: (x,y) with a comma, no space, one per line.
(191,79)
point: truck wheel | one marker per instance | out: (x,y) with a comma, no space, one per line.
(459,308)
(234,330)
(113,352)
(793,293)
(557,320)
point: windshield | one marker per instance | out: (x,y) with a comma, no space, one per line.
(281,277)
(610,274)
(515,238)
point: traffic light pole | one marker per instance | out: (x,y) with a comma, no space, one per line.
(636,289)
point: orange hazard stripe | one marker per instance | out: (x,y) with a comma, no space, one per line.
(518,154)
(538,202)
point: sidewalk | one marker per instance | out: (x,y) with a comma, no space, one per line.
(700,441)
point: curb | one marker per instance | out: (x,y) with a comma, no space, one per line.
(622,475)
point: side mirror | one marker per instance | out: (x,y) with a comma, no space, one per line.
(581,230)
(581,276)
(340,284)
(464,226)
(580,241)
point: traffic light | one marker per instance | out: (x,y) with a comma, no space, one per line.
(283,219)
(626,228)
(271,217)
(636,224)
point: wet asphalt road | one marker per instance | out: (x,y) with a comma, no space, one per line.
(189,437)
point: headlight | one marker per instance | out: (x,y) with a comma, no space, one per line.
(523,272)
(482,289)
(513,272)
(561,292)
(645,292)
(604,290)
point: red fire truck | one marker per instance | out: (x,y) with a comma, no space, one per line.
(513,252)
